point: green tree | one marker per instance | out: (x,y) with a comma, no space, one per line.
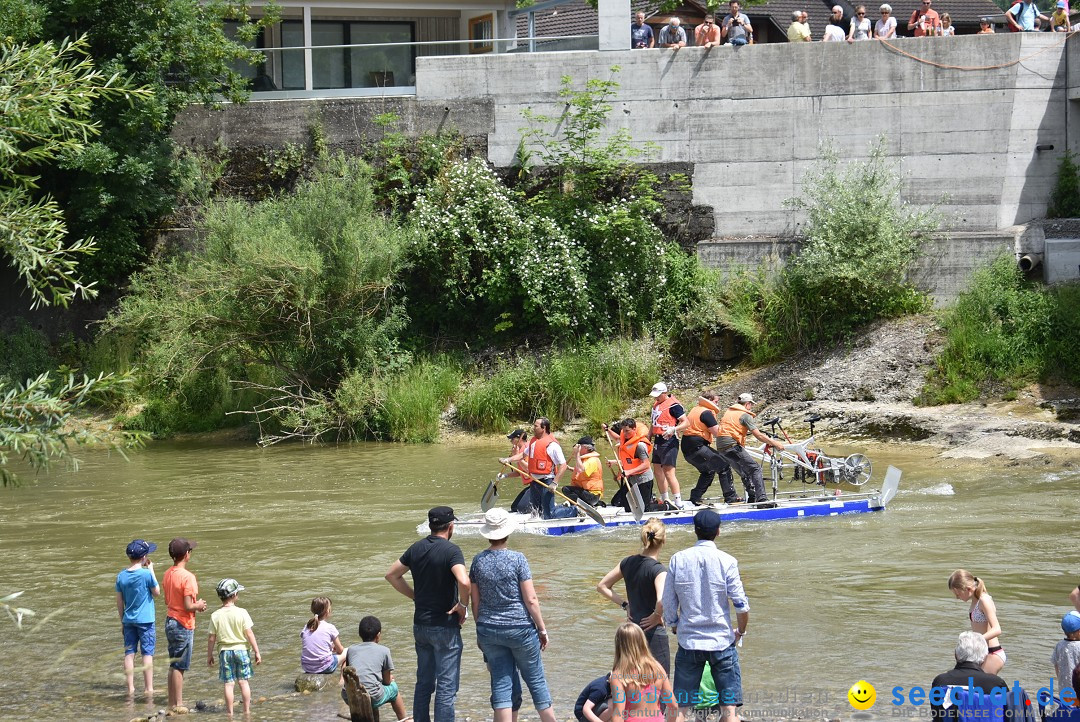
(124,183)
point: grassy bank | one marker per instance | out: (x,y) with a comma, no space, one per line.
(1003,333)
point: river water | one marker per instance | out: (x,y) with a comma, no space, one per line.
(832,600)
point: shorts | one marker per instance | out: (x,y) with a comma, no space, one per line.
(233,665)
(140,636)
(180,640)
(389,694)
(330,668)
(689,665)
(665,451)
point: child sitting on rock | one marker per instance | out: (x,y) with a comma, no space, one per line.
(320,648)
(374,667)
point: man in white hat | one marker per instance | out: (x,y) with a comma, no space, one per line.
(736,422)
(668,419)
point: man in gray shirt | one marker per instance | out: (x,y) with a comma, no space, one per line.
(735,424)
(672,35)
(736,27)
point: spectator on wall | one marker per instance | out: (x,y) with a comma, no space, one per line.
(1059,21)
(707,34)
(859,28)
(799,30)
(1022,15)
(737,28)
(886,26)
(924,20)
(641,34)
(947,28)
(833,33)
(672,35)
(985,27)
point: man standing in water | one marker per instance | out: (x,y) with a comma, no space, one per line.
(668,419)
(439,592)
(736,422)
(702,427)
(703,583)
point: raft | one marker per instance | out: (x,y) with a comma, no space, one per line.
(783,506)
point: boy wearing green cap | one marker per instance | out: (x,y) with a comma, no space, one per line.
(230,632)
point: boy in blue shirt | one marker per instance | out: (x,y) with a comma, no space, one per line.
(136,588)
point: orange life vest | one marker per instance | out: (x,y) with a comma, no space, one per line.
(539,462)
(661,415)
(628,448)
(730,426)
(696,427)
(590,482)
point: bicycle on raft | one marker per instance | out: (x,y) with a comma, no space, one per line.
(809,464)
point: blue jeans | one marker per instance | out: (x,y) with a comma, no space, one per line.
(690,663)
(180,640)
(510,650)
(438,671)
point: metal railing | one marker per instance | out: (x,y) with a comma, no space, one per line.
(377,68)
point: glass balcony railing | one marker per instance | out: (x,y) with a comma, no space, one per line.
(376,68)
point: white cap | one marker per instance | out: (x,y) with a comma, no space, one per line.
(659,388)
(746,398)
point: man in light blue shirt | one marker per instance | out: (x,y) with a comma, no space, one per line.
(702,584)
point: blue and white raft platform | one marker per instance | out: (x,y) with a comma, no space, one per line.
(784,505)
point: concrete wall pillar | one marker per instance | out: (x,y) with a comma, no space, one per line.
(614,19)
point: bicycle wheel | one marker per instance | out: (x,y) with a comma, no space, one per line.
(857,469)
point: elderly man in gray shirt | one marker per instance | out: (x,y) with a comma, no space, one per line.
(702,584)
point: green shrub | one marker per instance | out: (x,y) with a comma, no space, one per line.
(25,353)
(287,298)
(416,399)
(591,381)
(1065,199)
(851,268)
(1003,333)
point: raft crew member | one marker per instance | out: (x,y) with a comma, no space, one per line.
(734,425)
(546,464)
(634,451)
(519,439)
(668,419)
(587,482)
(701,428)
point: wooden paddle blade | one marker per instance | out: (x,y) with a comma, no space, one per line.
(491,495)
(637,506)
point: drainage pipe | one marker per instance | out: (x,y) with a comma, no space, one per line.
(1030,261)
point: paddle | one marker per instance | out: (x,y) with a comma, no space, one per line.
(633,494)
(587,508)
(491,495)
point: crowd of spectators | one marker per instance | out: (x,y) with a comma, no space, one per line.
(925,21)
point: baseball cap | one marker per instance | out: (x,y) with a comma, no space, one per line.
(139,548)
(1061,4)
(586,441)
(707,520)
(228,587)
(179,547)
(515,434)
(441,515)
(746,398)
(659,388)
(1070,622)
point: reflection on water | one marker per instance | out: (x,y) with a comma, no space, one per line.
(833,600)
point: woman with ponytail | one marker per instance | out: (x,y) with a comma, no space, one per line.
(644,578)
(983,616)
(320,648)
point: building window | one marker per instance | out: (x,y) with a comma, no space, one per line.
(481,28)
(338,67)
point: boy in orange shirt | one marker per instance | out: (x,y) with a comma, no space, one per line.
(182,599)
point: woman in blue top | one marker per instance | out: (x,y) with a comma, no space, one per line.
(509,627)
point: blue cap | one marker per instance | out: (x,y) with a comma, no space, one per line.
(707,520)
(140,548)
(1070,622)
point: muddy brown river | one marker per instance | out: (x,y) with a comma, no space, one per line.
(833,600)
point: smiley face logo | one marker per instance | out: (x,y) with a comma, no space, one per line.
(862,695)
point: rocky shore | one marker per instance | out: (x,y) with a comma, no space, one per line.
(864,389)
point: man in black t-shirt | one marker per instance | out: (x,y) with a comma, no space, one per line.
(440,591)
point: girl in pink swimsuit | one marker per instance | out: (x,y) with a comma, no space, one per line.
(983,616)
(639,685)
